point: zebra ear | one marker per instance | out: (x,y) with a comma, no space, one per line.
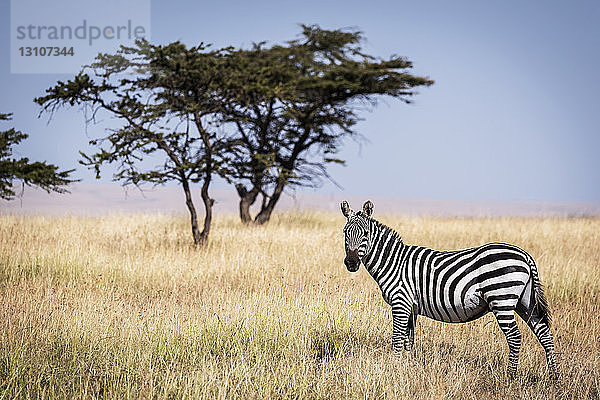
(368,208)
(345,209)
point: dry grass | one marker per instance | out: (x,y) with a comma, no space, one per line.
(123,307)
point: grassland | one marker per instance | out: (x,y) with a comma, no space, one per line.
(124,307)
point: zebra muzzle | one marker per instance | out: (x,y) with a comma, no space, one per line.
(352,261)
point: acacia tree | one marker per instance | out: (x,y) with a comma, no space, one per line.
(294,105)
(167,101)
(37,173)
(265,118)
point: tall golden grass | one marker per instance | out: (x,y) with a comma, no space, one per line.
(123,307)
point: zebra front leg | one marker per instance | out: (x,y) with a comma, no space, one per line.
(401,314)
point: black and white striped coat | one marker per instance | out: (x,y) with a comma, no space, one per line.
(449,286)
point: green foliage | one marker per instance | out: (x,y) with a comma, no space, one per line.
(36,173)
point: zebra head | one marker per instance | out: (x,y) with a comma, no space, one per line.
(356,234)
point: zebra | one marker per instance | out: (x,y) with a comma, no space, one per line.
(449,286)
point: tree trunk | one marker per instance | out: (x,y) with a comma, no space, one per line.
(247,198)
(208,203)
(265,213)
(198,239)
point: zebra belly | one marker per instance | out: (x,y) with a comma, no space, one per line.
(475,306)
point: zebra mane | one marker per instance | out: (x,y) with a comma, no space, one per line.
(387,230)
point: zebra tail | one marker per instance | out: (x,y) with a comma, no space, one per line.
(540,299)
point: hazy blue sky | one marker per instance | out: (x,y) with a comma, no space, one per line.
(514,113)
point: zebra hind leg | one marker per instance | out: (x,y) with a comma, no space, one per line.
(508,325)
(540,326)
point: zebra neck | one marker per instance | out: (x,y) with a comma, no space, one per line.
(385,251)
